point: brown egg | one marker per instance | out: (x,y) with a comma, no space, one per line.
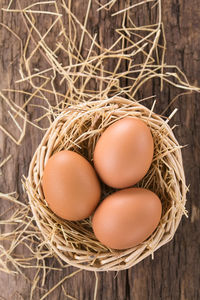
(124,152)
(127,218)
(70,186)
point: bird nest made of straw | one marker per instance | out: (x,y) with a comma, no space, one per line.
(78,128)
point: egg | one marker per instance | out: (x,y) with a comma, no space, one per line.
(124,152)
(126,218)
(70,184)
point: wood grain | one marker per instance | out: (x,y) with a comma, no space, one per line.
(174,272)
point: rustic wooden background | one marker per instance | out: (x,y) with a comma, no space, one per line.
(174,272)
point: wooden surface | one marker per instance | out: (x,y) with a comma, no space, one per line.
(174,272)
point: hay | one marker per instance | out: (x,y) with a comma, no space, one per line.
(5,160)
(59,283)
(75,243)
(78,128)
(80,72)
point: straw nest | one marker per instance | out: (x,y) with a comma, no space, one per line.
(78,128)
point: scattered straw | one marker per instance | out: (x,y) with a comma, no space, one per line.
(59,283)
(10,3)
(5,160)
(96,286)
(67,295)
(133,6)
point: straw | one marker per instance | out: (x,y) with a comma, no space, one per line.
(80,127)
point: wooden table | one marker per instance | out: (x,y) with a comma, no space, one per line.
(174,272)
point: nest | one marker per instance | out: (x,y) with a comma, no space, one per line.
(78,128)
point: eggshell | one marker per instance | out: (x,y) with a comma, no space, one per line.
(124,152)
(127,218)
(70,186)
